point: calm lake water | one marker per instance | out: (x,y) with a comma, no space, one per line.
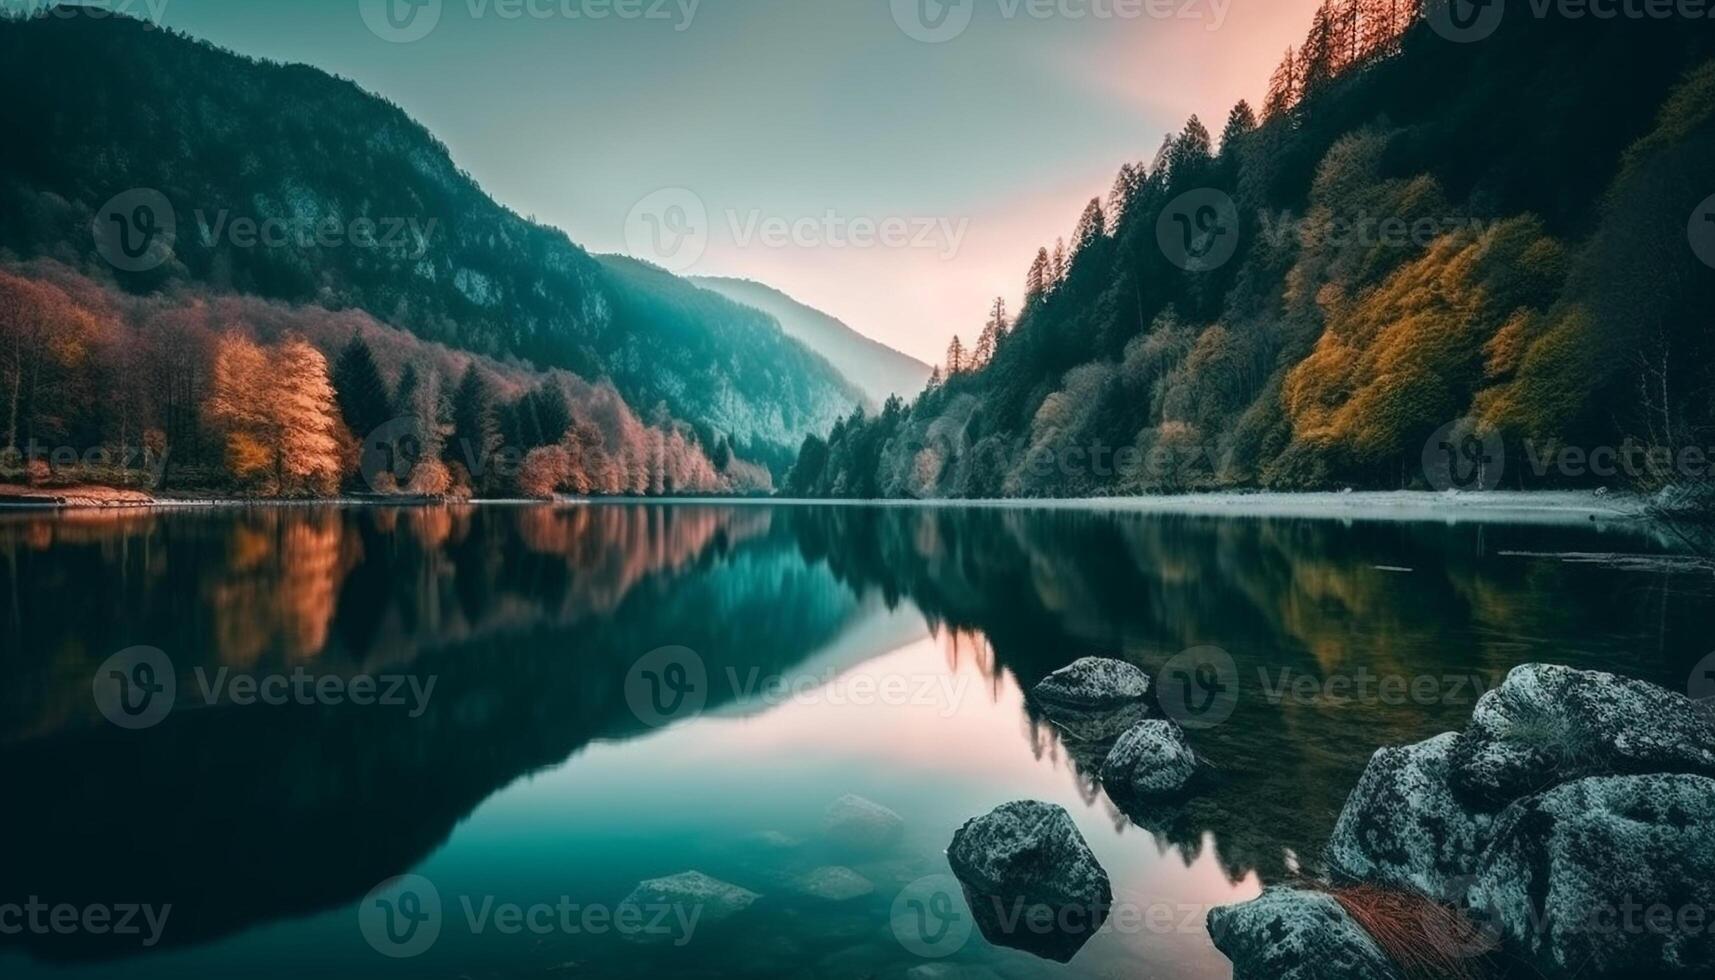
(881,652)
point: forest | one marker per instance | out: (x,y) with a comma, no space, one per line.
(232,395)
(1425,241)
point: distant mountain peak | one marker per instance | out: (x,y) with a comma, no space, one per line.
(875,368)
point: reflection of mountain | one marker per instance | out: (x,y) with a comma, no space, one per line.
(529,620)
(1289,600)
(519,616)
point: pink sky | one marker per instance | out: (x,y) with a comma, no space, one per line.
(1148,76)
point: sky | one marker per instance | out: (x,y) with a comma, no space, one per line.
(895,163)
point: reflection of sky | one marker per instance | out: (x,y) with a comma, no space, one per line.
(794,107)
(957,746)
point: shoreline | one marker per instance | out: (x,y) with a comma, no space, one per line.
(1499,506)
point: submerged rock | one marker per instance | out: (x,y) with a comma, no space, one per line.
(1548,724)
(835,884)
(682,896)
(1030,879)
(854,822)
(1293,934)
(1094,700)
(1599,876)
(1093,684)
(1151,761)
(1403,827)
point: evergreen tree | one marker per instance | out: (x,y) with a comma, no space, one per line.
(1241,122)
(1282,87)
(955,356)
(475,427)
(364,401)
(1092,225)
(1037,282)
(1057,268)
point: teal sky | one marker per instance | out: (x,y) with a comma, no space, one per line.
(790,109)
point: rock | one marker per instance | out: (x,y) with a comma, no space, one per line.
(1597,877)
(1093,684)
(854,822)
(1094,700)
(1402,826)
(1030,880)
(836,884)
(772,840)
(689,893)
(1151,761)
(1293,934)
(1548,724)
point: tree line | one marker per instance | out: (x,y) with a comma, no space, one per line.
(237,395)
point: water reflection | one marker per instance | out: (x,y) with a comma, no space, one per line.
(529,618)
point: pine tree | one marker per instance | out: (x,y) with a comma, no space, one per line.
(955,356)
(1037,282)
(1282,87)
(364,401)
(551,414)
(1241,122)
(1057,269)
(1191,153)
(984,351)
(998,319)
(475,427)
(1092,225)
(1316,59)
(935,379)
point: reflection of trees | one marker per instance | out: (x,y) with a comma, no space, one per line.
(240,815)
(1307,598)
(350,590)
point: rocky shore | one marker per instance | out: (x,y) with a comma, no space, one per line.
(1569,830)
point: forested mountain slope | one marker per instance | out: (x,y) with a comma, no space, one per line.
(877,369)
(104,105)
(1412,242)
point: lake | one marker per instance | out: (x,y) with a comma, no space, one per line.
(246,720)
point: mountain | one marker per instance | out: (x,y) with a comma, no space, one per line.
(236,146)
(1423,263)
(877,369)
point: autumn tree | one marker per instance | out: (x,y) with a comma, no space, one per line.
(277,411)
